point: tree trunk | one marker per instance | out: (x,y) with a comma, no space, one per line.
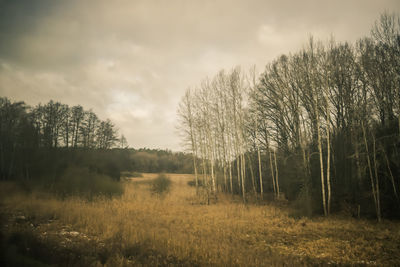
(378,202)
(276,177)
(252,175)
(260,173)
(391,174)
(230,176)
(321,162)
(377,208)
(243,165)
(328,160)
(272,172)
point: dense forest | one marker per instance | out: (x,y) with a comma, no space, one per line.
(36,141)
(319,127)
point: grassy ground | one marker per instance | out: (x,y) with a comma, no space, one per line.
(177,229)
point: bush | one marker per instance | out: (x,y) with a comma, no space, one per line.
(82,182)
(302,206)
(127,174)
(161,184)
(193,183)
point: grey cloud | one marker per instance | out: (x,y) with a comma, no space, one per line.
(132,60)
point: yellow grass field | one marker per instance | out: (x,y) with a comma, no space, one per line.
(177,229)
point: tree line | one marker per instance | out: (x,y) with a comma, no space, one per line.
(30,135)
(157,161)
(319,127)
(46,142)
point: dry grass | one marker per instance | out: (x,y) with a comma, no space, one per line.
(140,228)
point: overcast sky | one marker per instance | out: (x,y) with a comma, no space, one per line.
(131,61)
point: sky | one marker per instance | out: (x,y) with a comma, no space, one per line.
(131,61)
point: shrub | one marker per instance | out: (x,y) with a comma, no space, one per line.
(193,183)
(161,184)
(127,174)
(302,206)
(111,169)
(82,182)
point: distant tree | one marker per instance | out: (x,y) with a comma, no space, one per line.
(77,116)
(122,142)
(88,129)
(13,118)
(106,135)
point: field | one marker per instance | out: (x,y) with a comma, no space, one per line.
(141,228)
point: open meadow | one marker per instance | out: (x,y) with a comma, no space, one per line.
(177,228)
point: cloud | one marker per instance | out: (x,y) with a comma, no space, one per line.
(131,61)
